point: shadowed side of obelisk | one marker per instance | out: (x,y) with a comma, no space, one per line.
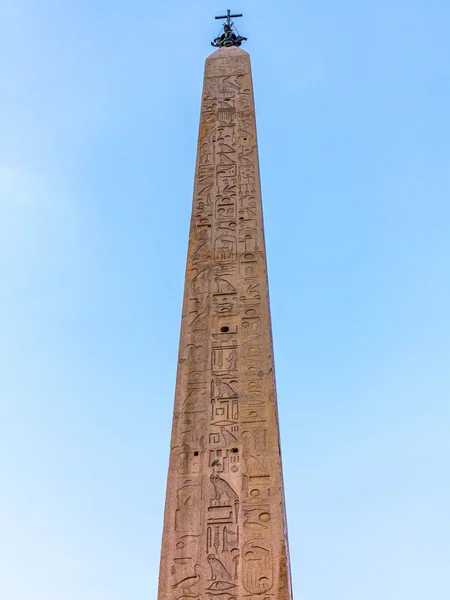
(224,527)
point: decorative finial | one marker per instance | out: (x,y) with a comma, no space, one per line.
(228,37)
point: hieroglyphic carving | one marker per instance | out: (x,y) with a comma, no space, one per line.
(188,584)
(257,566)
(256,508)
(224,411)
(224,535)
(225,249)
(218,569)
(188,518)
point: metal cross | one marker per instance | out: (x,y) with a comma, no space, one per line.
(228,17)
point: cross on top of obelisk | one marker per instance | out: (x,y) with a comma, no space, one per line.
(228,37)
(229,16)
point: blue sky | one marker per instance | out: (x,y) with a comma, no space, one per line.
(98,120)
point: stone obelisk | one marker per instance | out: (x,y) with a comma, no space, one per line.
(225,532)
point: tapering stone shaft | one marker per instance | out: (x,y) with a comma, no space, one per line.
(225,527)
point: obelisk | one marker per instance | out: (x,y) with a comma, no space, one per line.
(225,532)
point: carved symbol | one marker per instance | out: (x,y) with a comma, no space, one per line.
(189,461)
(188,546)
(188,583)
(203,228)
(187,516)
(245,139)
(226,115)
(256,518)
(205,174)
(195,399)
(236,564)
(224,412)
(229,188)
(225,324)
(224,286)
(249,264)
(222,513)
(218,569)
(257,567)
(248,243)
(230,539)
(255,440)
(246,189)
(254,415)
(232,360)
(192,422)
(219,460)
(254,468)
(200,281)
(225,148)
(256,509)
(253,294)
(226,210)
(221,488)
(195,354)
(202,253)
(255,387)
(225,135)
(232,82)
(224,304)
(220,586)
(225,249)
(224,438)
(224,359)
(228,226)
(228,437)
(250,322)
(247,167)
(223,389)
(201,321)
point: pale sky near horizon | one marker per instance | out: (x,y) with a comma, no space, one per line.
(98,122)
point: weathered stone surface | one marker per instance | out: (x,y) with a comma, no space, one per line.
(224,526)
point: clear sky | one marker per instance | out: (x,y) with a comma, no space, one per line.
(99,111)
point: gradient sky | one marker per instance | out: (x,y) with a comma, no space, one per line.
(99,111)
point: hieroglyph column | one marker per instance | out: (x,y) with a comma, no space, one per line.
(225,532)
